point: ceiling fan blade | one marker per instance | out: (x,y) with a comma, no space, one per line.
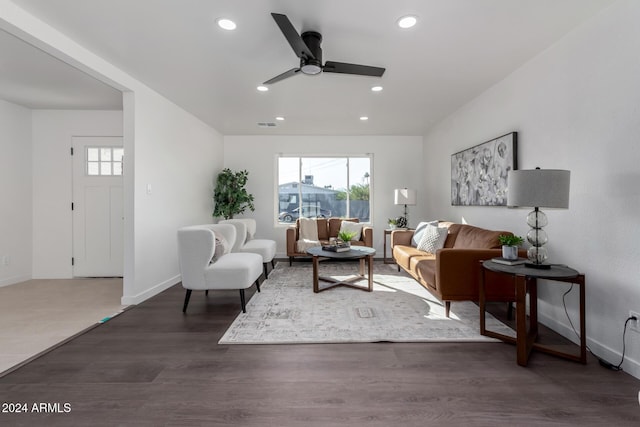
(345,68)
(292,36)
(291,72)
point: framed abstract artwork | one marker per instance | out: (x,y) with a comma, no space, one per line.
(479,173)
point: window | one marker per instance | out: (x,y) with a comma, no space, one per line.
(103,161)
(321,187)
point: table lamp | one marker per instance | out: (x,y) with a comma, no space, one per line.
(406,197)
(538,188)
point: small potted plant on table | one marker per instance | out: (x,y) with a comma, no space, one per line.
(510,245)
(346,236)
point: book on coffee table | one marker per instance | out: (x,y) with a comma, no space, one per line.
(505,261)
(336,248)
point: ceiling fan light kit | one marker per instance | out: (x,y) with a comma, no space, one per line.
(307,48)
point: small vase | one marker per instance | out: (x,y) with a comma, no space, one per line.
(509,252)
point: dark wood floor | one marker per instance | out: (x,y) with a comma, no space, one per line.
(152,366)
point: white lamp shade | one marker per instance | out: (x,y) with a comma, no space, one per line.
(541,188)
(405,196)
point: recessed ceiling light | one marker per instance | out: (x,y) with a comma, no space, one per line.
(376,89)
(262,88)
(364,118)
(226,24)
(280,118)
(407,21)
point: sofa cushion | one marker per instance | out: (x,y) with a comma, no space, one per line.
(403,254)
(352,227)
(470,237)
(417,234)
(424,266)
(432,239)
(336,223)
(323,233)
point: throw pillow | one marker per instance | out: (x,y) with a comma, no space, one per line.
(352,227)
(433,239)
(417,235)
(221,248)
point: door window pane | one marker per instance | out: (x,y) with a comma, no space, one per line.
(104,161)
(105,154)
(93,168)
(117,168)
(118,153)
(105,168)
(93,154)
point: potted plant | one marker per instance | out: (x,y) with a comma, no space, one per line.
(346,236)
(510,245)
(393,223)
(230,196)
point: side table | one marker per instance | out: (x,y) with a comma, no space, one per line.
(525,281)
(387,232)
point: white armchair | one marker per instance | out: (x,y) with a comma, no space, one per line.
(245,243)
(196,247)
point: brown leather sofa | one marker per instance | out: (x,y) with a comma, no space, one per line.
(453,272)
(327,228)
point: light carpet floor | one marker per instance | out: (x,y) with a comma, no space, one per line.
(398,310)
(39,314)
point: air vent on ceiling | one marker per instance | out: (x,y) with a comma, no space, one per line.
(266,124)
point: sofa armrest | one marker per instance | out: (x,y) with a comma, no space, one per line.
(292,238)
(367,236)
(401,237)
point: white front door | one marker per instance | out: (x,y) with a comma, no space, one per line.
(98,232)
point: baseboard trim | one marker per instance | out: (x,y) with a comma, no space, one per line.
(629,365)
(143,296)
(13,280)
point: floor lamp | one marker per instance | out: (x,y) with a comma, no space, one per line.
(406,197)
(538,188)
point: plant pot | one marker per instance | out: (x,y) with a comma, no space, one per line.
(392,226)
(509,252)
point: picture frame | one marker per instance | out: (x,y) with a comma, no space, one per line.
(479,173)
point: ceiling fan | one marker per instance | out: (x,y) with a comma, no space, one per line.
(307,48)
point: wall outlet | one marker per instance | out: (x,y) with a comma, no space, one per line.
(634,325)
(6,260)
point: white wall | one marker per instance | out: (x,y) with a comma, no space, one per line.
(179,156)
(397,163)
(52,183)
(168,148)
(576,107)
(15,193)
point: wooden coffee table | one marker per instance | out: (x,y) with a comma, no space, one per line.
(361,253)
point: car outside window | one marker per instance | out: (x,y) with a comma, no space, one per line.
(320,187)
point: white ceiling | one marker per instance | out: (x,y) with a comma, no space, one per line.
(458,49)
(35,79)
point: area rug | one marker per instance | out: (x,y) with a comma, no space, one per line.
(398,310)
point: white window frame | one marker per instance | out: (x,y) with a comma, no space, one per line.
(277,222)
